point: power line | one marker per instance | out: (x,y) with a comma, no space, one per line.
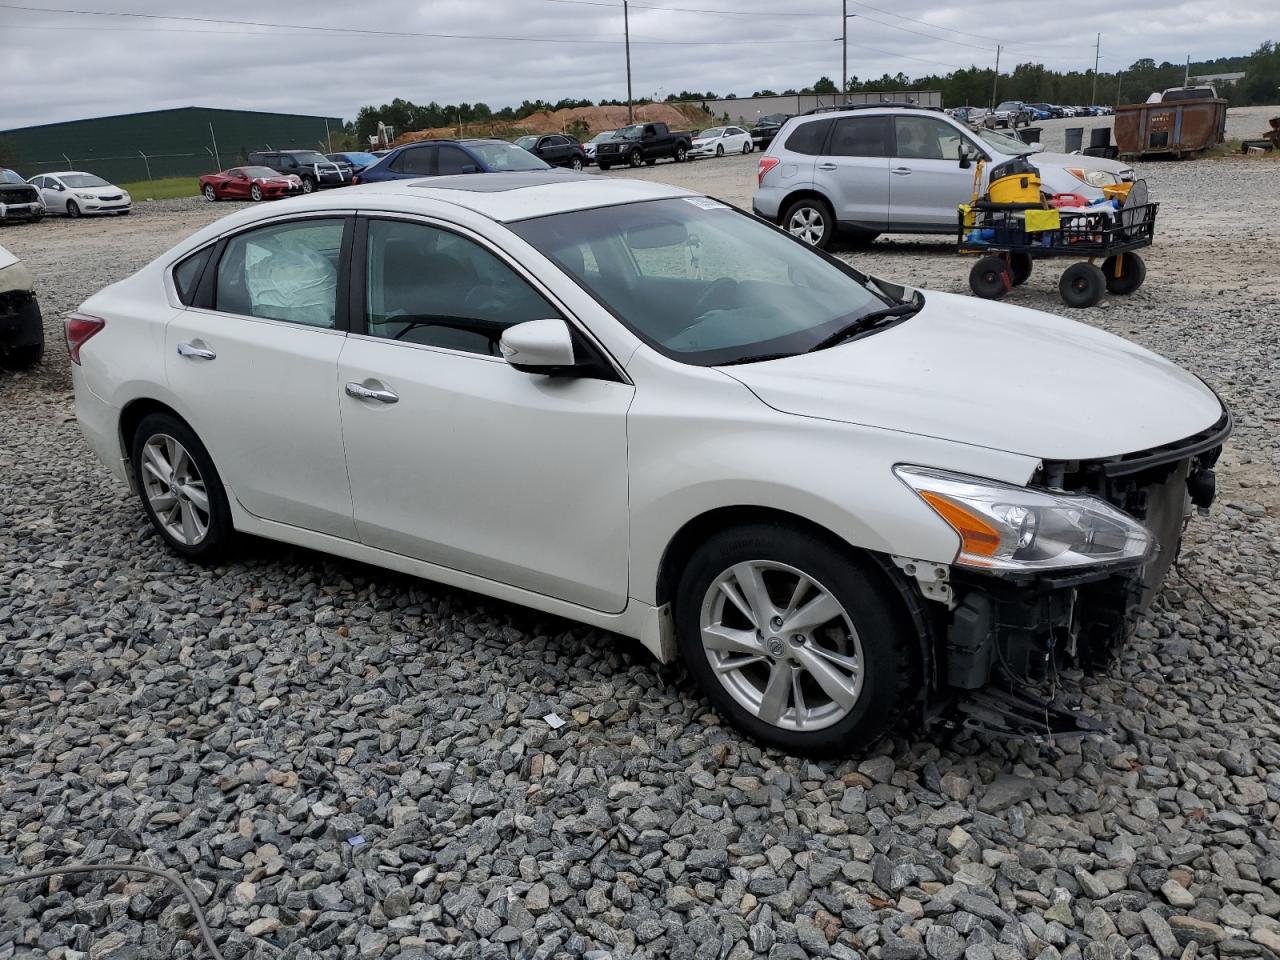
(783,14)
(976,36)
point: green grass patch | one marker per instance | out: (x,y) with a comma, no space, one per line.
(166,189)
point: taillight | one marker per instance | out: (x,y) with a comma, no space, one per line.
(79,329)
(765,165)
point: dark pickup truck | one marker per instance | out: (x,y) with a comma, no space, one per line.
(643,143)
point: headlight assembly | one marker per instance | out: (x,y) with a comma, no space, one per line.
(1094,178)
(1004,527)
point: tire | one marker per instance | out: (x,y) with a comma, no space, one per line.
(990,278)
(210,194)
(746,147)
(651,161)
(575,164)
(20,358)
(811,221)
(73,209)
(864,628)
(859,239)
(309,185)
(1133,272)
(719,149)
(603,166)
(1082,285)
(1019,268)
(202,535)
(682,153)
(634,158)
(255,193)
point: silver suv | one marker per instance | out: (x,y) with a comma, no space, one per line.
(867,171)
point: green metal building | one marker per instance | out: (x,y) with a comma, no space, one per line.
(182,142)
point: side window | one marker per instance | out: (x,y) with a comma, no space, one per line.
(454,160)
(808,138)
(186,275)
(859,137)
(36,182)
(926,138)
(426,285)
(416,161)
(284,272)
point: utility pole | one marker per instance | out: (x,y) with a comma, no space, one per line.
(626,32)
(1119,80)
(1097,55)
(844,51)
(1186,76)
(995,79)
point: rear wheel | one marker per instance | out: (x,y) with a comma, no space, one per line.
(308,185)
(793,639)
(1132,273)
(990,278)
(1019,268)
(575,164)
(603,166)
(810,220)
(180,489)
(859,239)
(1082,285)
(210,194)
(746,147)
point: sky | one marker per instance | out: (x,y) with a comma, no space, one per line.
(71,65)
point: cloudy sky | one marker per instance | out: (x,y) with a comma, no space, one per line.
(68,65)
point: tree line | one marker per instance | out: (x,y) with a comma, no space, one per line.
(1032,82)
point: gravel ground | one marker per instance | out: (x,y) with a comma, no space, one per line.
(350,763)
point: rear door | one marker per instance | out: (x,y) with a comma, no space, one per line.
(927,183)
(854,171)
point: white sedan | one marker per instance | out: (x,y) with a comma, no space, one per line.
(718,141)
(76,193)
(840,501)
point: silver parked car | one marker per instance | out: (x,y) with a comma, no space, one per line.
(76,193)
(867,171)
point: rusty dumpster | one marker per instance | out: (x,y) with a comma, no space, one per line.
(1177,128)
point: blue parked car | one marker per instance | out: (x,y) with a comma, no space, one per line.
(1040,111)
(441,158)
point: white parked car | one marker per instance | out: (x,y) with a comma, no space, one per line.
(589,147)
(840,501)
(718,141)
(76,193)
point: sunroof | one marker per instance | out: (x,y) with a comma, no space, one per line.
(499,182)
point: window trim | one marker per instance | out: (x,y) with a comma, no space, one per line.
(356,304)
(205,301)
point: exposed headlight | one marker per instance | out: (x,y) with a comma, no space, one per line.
(125,195)
(1094,178)
(1004,527)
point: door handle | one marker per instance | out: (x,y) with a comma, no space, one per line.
(901,171)
(361,392)
(195,353)
(826,166)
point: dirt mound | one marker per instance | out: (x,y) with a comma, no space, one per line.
(558,121)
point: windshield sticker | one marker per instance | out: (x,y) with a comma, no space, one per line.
(706,203)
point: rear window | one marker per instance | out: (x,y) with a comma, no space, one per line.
(808,138)
(186,275)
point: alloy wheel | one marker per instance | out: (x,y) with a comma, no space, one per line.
(175,490)
(807,224)
(782,645)
(209,193)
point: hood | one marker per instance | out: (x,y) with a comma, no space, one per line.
(107,191)
(996,376)
(1079,160)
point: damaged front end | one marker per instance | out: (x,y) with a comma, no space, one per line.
(21,326)
(1001,633)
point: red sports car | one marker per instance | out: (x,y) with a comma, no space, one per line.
(248,183)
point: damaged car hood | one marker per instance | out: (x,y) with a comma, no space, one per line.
(996,376)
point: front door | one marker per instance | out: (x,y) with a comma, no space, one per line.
(926,182)
(455,457)
(854,172)
(258,372)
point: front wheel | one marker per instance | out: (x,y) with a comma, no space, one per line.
(255,192)
(73,209)
(1082,285)
(990,278)
(180,489)
(682,153)
(603,166)
(210,194)
(812,221)
(1130,276)
(746,147)
(308,185)
(635,159)
(794,639)
(719,149)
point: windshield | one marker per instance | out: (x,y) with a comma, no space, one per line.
(8,176)
(1009,105)
(712,133)
(599,137)
(701,282)
(74,180)
(1004,143)
(633,132)
(259,172)
(526,143)
(498,157)
(359,159)
(308,158)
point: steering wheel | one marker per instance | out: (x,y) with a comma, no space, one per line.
(717,288)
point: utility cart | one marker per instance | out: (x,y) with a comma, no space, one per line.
(1011,237)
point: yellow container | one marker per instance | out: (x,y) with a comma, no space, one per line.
(1118,191)
(1019,188)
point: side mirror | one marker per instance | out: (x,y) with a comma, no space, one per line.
(538,346)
